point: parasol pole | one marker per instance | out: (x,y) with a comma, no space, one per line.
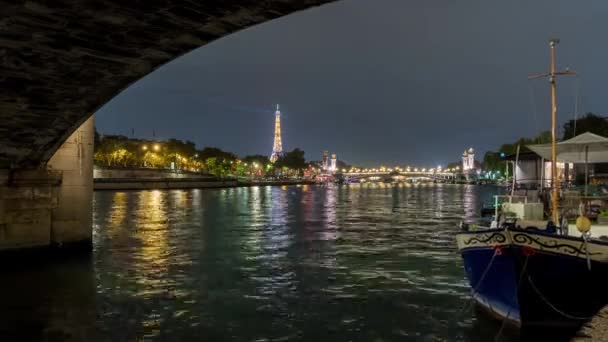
(586,168)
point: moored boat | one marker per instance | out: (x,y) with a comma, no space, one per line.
(533,278)
(530,272)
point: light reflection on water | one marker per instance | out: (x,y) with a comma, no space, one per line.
(369,262)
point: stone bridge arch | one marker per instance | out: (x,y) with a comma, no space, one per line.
(62,60)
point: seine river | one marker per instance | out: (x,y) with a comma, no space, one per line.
(360,262)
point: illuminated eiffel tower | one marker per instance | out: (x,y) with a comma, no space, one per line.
(277,148)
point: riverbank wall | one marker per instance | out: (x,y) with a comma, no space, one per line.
(148,179)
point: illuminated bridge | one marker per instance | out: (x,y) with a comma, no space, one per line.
(404,174)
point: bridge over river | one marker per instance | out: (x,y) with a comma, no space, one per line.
(60,61)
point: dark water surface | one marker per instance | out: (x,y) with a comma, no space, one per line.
(367,262)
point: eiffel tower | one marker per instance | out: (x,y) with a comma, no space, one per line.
(277,148)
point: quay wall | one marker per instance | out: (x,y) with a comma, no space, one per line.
(151,183)
(104,173)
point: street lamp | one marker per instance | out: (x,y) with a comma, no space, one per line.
(156,147)
(145,147)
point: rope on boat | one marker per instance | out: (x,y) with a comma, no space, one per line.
(467,305)
(521,278)
(586,237)
(478,285)
(566,315)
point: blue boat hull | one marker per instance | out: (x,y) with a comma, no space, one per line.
(536,280)
(493,279)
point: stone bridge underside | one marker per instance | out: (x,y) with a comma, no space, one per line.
(62,60)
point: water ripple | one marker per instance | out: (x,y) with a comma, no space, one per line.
(365,262)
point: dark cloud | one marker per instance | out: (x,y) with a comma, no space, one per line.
(382,81)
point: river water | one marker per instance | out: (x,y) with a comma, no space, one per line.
(359,262)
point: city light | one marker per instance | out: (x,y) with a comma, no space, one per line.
(156,147)
(145,147)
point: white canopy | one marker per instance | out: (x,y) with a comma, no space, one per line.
(583,148)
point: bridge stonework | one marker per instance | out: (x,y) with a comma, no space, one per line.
(62,60)
(50,206)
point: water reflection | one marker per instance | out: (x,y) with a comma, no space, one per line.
(364,262)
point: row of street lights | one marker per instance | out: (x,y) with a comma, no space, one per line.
(155,147)
(439,169)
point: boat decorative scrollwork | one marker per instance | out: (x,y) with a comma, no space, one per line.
(549,244)
(486,239)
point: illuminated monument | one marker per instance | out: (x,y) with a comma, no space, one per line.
(468,161)
(333,167)
(277,148)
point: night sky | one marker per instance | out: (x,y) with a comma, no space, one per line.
(377,81)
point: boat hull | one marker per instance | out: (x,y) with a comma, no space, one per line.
(493,278)
(536,280)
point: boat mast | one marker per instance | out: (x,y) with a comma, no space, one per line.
(554,176)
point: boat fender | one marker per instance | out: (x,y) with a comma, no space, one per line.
(583,224)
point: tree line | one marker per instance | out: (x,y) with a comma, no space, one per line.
(117,151)
(590,122)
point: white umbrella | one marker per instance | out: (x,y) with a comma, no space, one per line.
(584,148)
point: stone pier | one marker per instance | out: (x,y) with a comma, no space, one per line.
(50,206)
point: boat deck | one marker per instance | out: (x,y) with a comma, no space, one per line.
(597,230)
